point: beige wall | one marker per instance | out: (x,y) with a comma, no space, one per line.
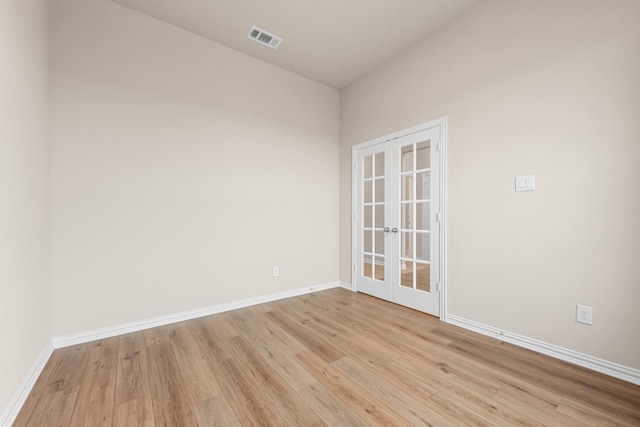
(549,88)
(182,171)
(25,325)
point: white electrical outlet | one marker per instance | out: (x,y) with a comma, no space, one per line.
(276,271)
(584,314)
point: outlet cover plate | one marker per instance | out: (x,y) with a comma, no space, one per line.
(584,314)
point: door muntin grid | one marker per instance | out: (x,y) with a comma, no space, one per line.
(373,214)
(415,216)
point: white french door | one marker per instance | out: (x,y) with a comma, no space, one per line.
(373,219)
(397,218)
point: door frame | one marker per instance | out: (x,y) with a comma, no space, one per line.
(440,123)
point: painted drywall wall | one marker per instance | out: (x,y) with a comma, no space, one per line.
(549,88)
(182,171)
(25,324)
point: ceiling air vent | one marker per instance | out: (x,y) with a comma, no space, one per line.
(262,37)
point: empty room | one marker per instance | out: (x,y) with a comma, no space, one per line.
(340,212)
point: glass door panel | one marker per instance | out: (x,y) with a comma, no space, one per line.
(379,216)
(423,216)
(423,273)
(406,274)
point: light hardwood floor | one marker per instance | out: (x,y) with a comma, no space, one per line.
(329,358)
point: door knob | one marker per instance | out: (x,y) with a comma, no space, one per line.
(394,230)
(386,229)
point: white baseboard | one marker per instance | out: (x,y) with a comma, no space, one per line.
(126,328)
(599,365)
(11,412)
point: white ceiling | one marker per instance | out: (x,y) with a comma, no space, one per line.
(331,41)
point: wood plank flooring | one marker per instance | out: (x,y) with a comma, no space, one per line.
(330,358)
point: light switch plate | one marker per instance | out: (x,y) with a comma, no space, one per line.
(526,183)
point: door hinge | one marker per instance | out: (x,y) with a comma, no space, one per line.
(437,216)
(355,216)
(355,166)
(355,267)
(438,146)
(438,287)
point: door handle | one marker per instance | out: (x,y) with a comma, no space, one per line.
(394,230)
(386,229)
